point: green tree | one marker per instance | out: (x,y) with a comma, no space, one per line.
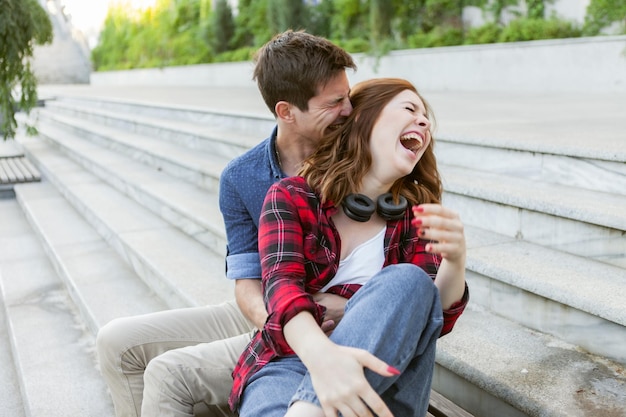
(320,17)
(251,24)
(535,9)
(287,14)
(603,13)
(23,24)
(350,20)
(223,27)
(407,17)
(496,8)
(243,35)
(381,12)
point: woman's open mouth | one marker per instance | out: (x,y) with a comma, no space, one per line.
(412,141)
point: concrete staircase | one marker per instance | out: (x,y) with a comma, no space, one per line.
(125,221)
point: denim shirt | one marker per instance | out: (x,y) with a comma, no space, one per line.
(243,185)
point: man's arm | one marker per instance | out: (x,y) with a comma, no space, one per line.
(250,300)
(242,257)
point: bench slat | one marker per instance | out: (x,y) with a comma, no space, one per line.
(11,177)
(4,176)
(17,169)
(36,175)
(440,406)
(23,169)
(18,175)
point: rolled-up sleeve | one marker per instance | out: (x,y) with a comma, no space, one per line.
(451,315)
(242,259)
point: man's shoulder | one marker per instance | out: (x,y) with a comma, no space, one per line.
(249,160)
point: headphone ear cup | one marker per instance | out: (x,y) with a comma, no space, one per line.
(388,210)
(358,207)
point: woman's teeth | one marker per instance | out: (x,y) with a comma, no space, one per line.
(412,141)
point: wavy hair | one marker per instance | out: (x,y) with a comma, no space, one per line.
(336,169)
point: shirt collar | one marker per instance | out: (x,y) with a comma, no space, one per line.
(330,208)
(277,173)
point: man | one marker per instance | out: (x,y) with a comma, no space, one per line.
(163,364)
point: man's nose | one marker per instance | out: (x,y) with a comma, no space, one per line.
(346,108)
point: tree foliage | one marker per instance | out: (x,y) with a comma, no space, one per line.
(223,27)
(176,32)
(603,13)
(23,24)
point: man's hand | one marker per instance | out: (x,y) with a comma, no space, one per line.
(335,307)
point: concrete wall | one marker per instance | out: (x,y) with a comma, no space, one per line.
(66,60)
(595,64)
(583,64)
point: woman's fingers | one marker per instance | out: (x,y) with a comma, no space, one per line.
(442,227)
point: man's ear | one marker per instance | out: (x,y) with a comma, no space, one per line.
(283,111)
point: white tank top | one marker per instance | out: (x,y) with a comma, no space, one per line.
(360,265)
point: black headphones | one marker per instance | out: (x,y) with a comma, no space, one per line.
(360,207)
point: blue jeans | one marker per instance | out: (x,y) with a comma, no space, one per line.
(396,316)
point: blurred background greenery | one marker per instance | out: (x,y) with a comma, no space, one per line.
(183,32)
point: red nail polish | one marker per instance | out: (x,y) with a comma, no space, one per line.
(418,221)
(393,370)
(420,209)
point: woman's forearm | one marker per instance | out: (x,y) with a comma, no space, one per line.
(305,337)
(450,281)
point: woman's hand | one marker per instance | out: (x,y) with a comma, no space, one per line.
(438,223)
(340,384)
(444,227)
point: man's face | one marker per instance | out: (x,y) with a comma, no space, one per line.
(327,109)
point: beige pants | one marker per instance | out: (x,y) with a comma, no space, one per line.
(173,361)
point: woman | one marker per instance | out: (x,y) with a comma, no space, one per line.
(341,227)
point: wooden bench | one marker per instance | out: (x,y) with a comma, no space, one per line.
(17,169)
(440,406)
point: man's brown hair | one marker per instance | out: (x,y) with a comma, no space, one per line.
(293,66)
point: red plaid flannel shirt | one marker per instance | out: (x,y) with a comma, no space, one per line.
(299,251)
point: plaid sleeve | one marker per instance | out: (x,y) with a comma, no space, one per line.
(430,263)
(451,315)
(282,264)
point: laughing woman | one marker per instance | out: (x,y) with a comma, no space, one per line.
(362,220)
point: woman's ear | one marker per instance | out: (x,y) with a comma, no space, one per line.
(283,111)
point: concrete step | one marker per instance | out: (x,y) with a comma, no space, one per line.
(10,395)
(247,122)
(186,206)
(215,132)
(582,222)
(576,299)
(198,167)
(52,349)
(99,281)
(491,366)
(177,267)
(585,168)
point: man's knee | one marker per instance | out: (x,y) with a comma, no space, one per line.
(111,339)
(157,370)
